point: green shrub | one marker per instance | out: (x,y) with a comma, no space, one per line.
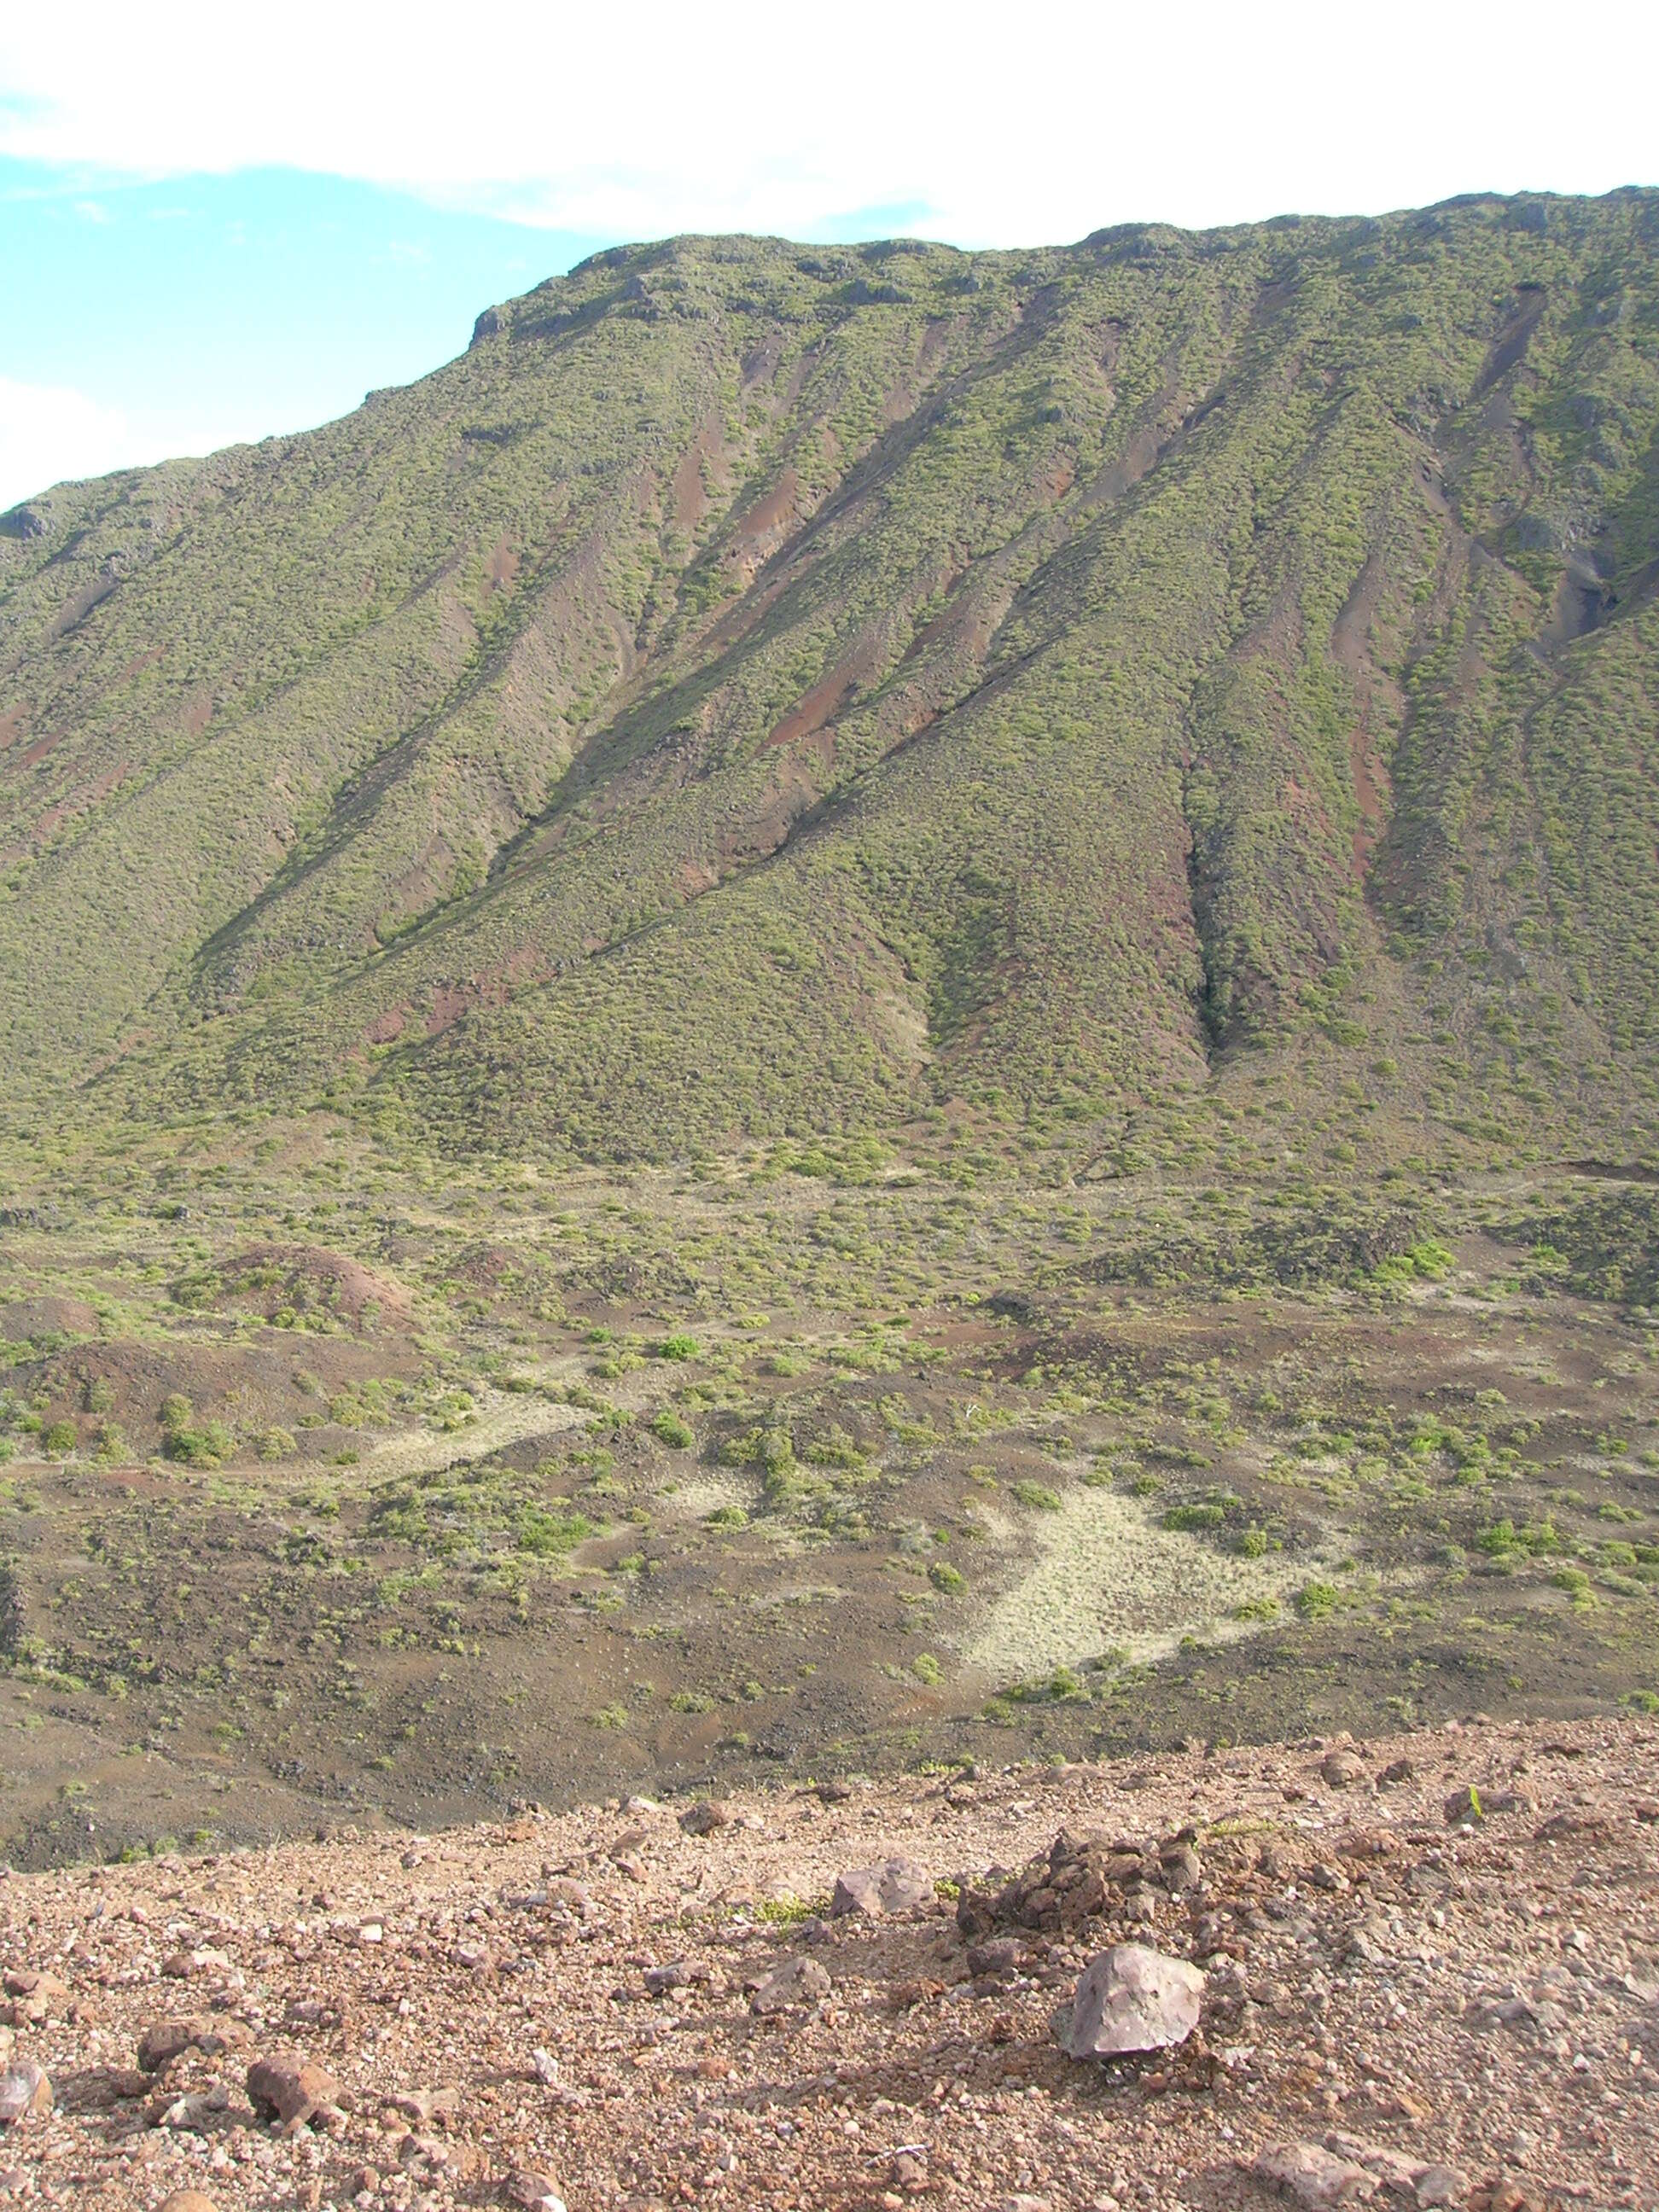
(207,1446)
(547,1535)
(1191,1517)
(1035,1495)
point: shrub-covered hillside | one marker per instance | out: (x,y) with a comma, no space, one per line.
(762,690)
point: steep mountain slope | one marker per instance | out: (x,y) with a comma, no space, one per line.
(758,690)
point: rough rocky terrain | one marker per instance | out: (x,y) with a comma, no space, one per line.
(1430,1976)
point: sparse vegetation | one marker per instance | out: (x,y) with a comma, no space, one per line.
(531,1239)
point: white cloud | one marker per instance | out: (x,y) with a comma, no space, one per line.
(1037,125)
(50,434)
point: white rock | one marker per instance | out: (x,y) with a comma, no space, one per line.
(23,2088)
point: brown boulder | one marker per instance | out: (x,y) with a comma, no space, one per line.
(288,2088)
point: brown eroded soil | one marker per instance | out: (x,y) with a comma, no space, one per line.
(1478,1995)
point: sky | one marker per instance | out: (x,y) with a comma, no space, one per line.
(218,224)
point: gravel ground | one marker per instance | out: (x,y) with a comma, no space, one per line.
(1473,1987)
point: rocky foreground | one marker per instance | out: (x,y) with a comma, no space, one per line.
(1423,1971)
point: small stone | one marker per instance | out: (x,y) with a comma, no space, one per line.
(797,1982)
(164,2040)
(534,2191)
(36,1998)
(1504,2193)
(24,2089)
(1131,1998)
(895,1885)
(1442,2184)
(424,2104)
(185,2200)
(1314,2177)
(1180,1866)
(1393,2168)
(1002,1955)
(184,1965)
(1463,1805)
(1397,1771)
(190,2115)
(115,2085)
(1209,1934)
(705,1816)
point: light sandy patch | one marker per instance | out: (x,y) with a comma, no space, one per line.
(1106,1574)
(503,1417)
(700,1495)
